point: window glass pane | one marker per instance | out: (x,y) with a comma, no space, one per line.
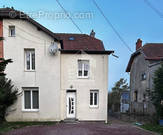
(27,60)
(86,65)
(33,60)
(69,105)
(91,98)
(85,73)
(27,99)
(79,68)
(79,65)
(79,73)
(95,98)
(35,97)
(12,30)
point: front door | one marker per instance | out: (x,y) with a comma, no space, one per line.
(70,104)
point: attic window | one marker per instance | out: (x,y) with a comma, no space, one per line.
(71,38)
(12,31)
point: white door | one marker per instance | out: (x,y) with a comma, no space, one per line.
(70,104)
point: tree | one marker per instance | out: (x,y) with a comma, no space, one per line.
(115,96)
(8,94)
(157,94)
(3,64)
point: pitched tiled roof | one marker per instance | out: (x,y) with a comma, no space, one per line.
(80,42)
(70,42)
(151,51)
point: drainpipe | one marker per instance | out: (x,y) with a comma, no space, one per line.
(107,109)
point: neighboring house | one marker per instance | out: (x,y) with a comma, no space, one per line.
(60,76)
(142,65)
(125,101)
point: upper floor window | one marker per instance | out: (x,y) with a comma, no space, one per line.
(83,68)
(31,99)
(143,76)
(30,59)
(12,31)
(94,98)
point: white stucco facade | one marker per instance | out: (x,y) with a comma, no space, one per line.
(97,80)
(54,75)
(46,76)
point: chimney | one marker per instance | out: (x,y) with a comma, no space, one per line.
(92,34)
(138,44)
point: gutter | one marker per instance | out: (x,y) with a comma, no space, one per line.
(85,51)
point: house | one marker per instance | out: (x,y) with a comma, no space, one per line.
(125,101)
(142,65)
(60,76)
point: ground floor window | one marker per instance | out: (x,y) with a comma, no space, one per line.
(94,98)
(31,99)
(135,96)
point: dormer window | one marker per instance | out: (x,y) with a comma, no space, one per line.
(71,38)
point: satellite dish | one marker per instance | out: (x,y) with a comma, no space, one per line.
(53,48)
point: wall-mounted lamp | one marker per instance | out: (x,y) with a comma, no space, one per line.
(71,86)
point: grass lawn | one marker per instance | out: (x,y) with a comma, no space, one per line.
(7,126)
(154,128)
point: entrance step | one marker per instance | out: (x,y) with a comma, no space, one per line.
(70,120)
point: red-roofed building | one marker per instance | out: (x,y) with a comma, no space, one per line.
(142,65)
(60,76)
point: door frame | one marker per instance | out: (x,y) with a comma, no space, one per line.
(75,102)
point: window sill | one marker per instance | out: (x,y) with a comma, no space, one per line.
(29,70)
(83,77)
(30,110)
(94,107)
(11,36)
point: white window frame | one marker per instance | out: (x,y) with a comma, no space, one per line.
(93,105)
(12,27)
(25,52)
(31,93)
(83,68)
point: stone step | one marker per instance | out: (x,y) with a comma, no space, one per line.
(70,120)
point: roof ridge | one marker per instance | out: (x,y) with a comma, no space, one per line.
(151,44)
(78,34)
(70,33)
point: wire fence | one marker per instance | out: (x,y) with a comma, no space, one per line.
(141,112)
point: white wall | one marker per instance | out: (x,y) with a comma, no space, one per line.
(46,76)
(98,80)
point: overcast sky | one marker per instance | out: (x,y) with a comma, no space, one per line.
(132,19)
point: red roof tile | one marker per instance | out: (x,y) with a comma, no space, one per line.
(151,51)
(80,42)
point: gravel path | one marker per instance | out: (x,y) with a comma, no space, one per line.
(82,128)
